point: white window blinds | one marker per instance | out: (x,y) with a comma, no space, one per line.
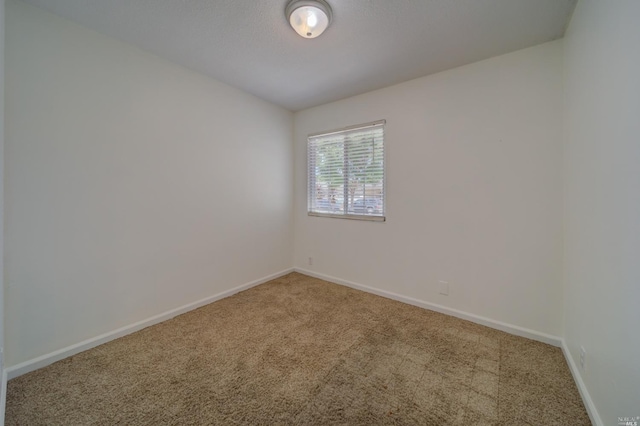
(346,172)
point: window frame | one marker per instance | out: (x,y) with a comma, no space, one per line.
(344,214)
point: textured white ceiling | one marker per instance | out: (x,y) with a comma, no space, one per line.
(370,43)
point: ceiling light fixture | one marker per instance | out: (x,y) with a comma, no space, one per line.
(309,17)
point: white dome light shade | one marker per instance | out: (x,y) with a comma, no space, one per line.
(309,18)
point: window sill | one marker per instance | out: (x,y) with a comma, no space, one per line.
(368,218)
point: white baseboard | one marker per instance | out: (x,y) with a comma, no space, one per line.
(508,328)
(44,360)
(582,388)
(50,358)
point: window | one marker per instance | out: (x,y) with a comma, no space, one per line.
(346,172)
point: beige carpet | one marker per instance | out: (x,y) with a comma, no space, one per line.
(298,351)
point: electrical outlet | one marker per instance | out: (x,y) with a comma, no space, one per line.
(310,261)
(583,358)
(444,287)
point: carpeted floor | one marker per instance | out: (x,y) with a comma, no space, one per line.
(298,351)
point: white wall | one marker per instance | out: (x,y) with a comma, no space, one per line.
(602,175)
(2,381)
(133,186)
(474,191)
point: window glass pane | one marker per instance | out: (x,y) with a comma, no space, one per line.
(346,173)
